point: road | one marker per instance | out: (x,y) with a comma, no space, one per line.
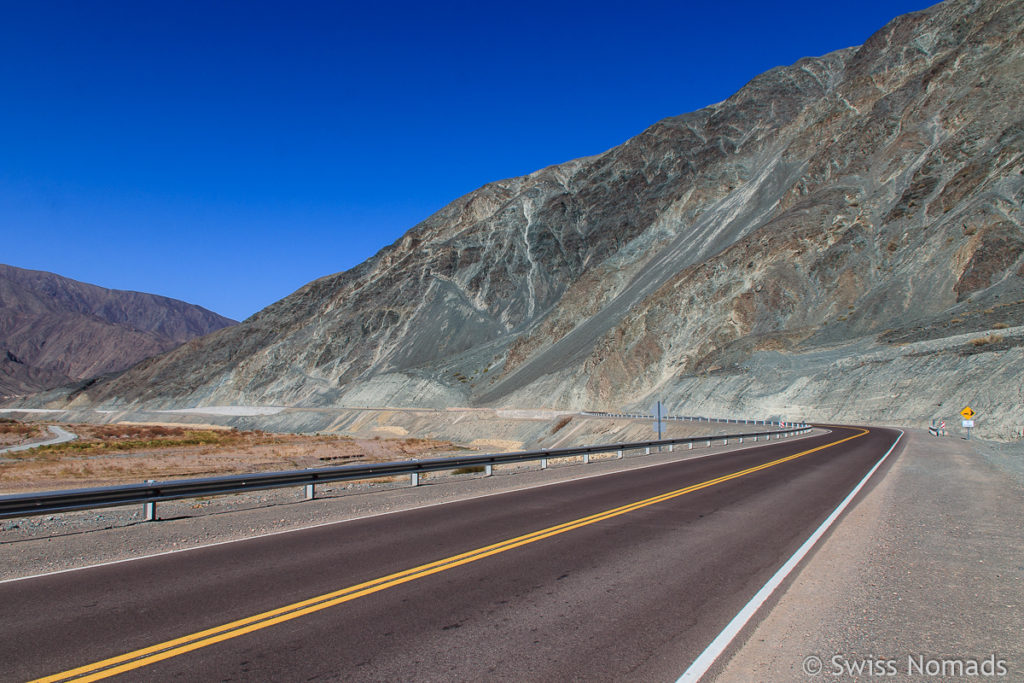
(624,576)
(59,436)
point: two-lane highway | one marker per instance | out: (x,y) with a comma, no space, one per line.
(628,575)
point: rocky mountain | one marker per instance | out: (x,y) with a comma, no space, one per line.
(840,239)
(55,331)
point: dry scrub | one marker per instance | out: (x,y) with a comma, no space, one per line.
(118,453)
(13,432)
(988,339)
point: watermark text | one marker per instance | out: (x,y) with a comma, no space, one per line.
(941,668)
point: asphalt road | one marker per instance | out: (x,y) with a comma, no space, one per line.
(624,576)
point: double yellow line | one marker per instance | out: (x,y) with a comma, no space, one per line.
(172,648)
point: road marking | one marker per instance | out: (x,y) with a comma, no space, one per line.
(172,648)
(578,477)
(713,651)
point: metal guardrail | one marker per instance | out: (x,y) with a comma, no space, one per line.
(149,493)
(689,418)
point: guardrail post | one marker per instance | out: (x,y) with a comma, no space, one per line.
(618,454)
(725,442)
(671,448)
(647,450)
(414,479)
(488,470)
(741,439)
(689,446)
(543,463)
(310,491)
(709,443)
(586,458)
(149,507)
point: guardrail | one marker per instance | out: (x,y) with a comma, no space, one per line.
(689,418)
(151,492)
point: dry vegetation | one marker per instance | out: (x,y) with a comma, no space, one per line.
(13,432)
(123,453)
(988,339)
(561,423)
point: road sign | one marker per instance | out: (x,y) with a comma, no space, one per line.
(968,412)
(968,424)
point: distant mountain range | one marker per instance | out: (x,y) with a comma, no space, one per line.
(55,331)
(840,239)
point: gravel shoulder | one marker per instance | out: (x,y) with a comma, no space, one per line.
(36,545)
(928,565)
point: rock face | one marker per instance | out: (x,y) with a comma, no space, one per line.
(54,331)
(841,239)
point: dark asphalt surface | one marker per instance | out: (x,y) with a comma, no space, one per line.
(637,596)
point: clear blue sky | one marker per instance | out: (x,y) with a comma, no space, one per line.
(226,153)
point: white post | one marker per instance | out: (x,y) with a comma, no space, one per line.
(414,479)
(488,470)
(619,454)
(586,458)
(149,507)
(543,463)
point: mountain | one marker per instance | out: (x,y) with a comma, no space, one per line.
(840,239)
(55,331)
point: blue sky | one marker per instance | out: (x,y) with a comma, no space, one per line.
(226,153)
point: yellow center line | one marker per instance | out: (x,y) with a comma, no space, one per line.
(172,648)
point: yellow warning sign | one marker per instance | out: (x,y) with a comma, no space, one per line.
(968,413)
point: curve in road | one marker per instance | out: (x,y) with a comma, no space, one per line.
(626,575)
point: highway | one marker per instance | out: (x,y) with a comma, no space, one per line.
(622,576)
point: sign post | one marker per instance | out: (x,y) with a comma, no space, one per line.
(968,414)
(659,419)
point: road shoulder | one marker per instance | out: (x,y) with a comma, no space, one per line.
(929,565)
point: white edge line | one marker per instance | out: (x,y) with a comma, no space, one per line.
(381,514)
(713,651)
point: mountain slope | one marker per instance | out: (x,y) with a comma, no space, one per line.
(838,207)
(54,330)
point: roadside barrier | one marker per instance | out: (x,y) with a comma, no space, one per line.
(151,492)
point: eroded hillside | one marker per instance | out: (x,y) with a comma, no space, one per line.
(827,241)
